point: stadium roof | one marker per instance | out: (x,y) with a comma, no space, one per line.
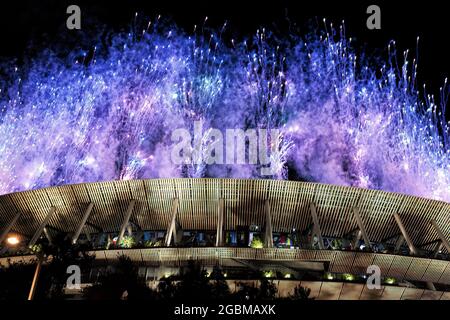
(243,204)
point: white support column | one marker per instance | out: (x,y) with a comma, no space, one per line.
(268,236)
(38,232)
(9,227)
(317,230)
(443,239)
(82,223)
(172,225)
(220,219)
(411,246)
(362,229)
(126,220)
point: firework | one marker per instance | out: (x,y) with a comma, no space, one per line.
(112,117)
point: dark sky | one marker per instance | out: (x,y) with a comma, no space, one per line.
(24,21)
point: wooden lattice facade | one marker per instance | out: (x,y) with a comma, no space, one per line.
(207,204)
(243,205)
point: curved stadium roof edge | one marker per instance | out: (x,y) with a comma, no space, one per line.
(243,200)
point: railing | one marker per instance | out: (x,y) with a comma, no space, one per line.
(356,262)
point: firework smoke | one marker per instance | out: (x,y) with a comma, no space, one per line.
(111,117)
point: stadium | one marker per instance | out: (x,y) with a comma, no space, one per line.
(321,236)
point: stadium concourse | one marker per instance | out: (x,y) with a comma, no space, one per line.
(324,236)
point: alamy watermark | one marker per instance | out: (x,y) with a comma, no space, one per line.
(374,279)
(374,20)
(234,146)
(74,279)
(74,20)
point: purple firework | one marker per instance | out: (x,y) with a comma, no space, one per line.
(340,121)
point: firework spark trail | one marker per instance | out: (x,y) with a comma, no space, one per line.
(112,118)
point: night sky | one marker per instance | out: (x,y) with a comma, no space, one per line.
(24,25)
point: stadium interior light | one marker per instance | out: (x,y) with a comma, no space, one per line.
(12,240)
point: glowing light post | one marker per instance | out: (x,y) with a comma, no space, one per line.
(12,240)
(37,272)
(39,255)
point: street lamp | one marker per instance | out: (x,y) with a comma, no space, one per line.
(12,240)
(37,272)
(8,242)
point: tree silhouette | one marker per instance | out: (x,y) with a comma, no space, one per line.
(301,293)
(194,283)
(246,292)
(120,282)
(15,280)
(267,290)
(60,254)
(167,288)
(219,287)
